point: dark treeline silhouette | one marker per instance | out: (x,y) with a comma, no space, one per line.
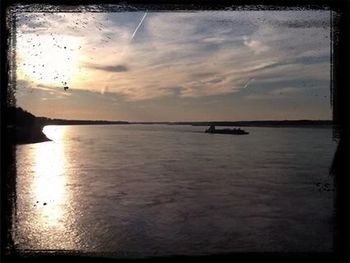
(19,117)
(266,123)
(24,127)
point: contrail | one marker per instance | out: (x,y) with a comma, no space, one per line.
(137,28)
(246,85)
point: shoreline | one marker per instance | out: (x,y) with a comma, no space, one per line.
(24,127)
(26,135)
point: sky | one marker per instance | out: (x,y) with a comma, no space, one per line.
(174,66)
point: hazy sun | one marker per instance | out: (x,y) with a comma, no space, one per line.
(48,59)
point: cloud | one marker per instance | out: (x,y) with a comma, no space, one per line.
(303,23)
(175,90)
(281,93)
(192,54)
(248,82)
(255,45)
(24,86)
(115,68)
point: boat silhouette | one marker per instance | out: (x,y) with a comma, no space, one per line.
(235,131)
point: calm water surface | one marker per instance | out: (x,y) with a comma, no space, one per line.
(151,190)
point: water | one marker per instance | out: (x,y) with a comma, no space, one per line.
(154,190)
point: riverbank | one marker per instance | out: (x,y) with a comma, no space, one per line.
(24,135)
(23,127)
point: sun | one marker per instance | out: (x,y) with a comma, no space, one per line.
(48,59)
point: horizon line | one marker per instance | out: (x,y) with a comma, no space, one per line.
(187,121)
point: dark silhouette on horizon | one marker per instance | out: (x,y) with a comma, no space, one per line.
(234,131)
(24,127)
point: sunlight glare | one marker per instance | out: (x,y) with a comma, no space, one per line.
(48,59)
(49,186)
(54,132)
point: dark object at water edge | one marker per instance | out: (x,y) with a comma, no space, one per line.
(235,131)
(24,135)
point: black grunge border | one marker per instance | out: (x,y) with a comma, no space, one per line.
(339,101)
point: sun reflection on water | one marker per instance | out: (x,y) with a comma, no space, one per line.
(49,193)
(55,133)
(49,186)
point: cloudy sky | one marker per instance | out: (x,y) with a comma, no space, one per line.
(175,66)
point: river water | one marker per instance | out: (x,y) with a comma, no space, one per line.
(155,190)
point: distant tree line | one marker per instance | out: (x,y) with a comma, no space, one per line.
(22,118)
(267,123)
(23,127)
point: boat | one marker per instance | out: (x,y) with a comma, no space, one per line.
(235,131)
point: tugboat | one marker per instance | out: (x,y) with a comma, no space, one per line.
(235,131)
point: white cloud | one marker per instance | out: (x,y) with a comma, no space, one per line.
(255,45)
(176,49)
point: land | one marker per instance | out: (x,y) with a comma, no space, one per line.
(265,123)
(23,127)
